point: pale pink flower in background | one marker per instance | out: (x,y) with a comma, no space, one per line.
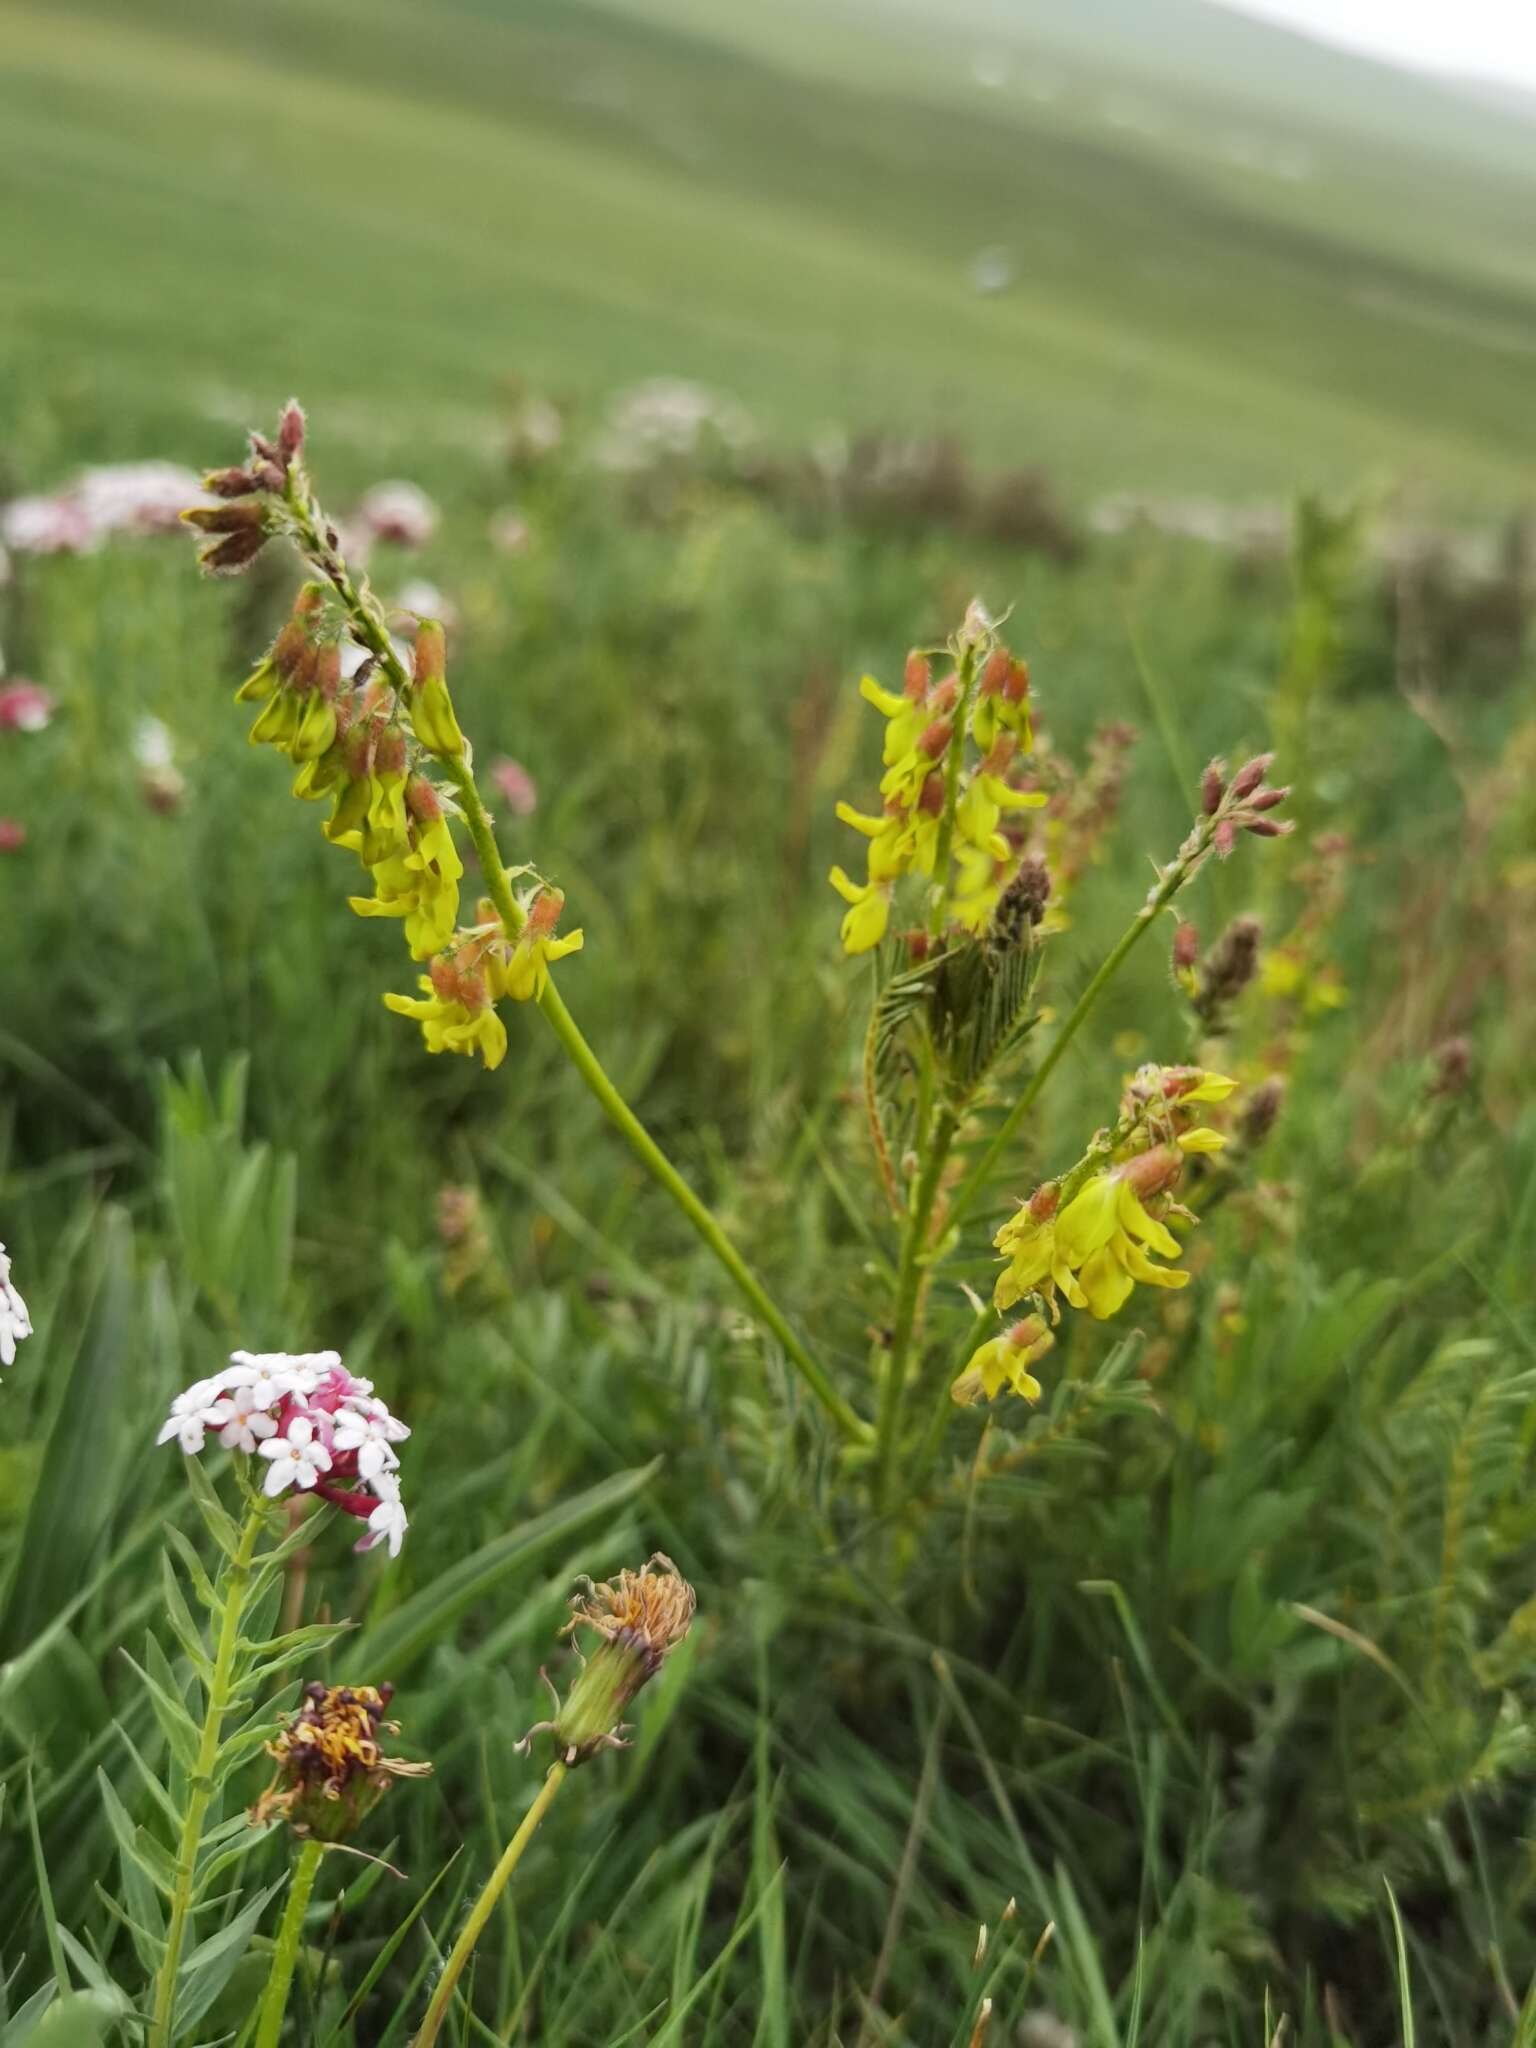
(515,786)
(297,1457)
(46,526)
(13,835)
(162,783)
(25,707)
(15,1323)
(427,602)
(400,512)
(510,532)
(137,497)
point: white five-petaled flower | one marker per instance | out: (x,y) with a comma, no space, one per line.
(190,1415)
(15,1323)
(366,1426)
(245,1419)
(298,1457)
(387,1523)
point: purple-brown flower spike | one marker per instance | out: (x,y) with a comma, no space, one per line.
(639,1619)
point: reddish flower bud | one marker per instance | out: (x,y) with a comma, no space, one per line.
(995,673)
(13,835)
(239,516)
(444,976)
(325,668)
(1042,1203)
(915,680)
(917,944)
(1269,828)
(230,483)
(1016,688)
(1186,946)
(1250,775)
(1224,838)
(931,797)
(290,431)
(236,552)
(945,695)
(1212,787)
(389,751)
(421,800)
(262,447)
(1266,799)
(1149,1173)
(936,738)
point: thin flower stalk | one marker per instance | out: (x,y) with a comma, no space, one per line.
(1227,808)
(285,1949)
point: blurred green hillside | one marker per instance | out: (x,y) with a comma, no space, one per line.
(1228,259)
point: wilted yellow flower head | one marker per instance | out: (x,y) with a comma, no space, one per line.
(331,1770)
(639,1618)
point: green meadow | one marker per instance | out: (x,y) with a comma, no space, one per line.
(1204,1684)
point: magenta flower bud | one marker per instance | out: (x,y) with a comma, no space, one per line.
(1250,775)
(1212,788)
(1266,799)
(1269,828)
(1224,838)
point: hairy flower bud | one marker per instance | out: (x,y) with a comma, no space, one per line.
(1260,1110)
(1250,775)
(234,553)
(936,738)
(290,431)
(914,681)
(1213,787)
(230,483)
(1186,946)
(432,716)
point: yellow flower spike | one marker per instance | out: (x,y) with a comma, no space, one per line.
(863,821)
(865,924)
(1105,1282)
(1089,1219)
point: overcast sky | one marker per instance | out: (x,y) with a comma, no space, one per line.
(1487,38)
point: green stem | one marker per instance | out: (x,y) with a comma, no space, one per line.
(634,1133)
(285,1952)
(368,625)
(1173,880)
(484,1906)
(909,1287)
(200,1784)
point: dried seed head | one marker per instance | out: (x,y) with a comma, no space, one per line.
(331,1770)
(1228,968)
(639,1618)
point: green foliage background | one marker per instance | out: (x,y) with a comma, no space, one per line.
(1226,1651)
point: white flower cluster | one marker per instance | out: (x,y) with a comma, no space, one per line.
(15,1323)
(318,1427)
